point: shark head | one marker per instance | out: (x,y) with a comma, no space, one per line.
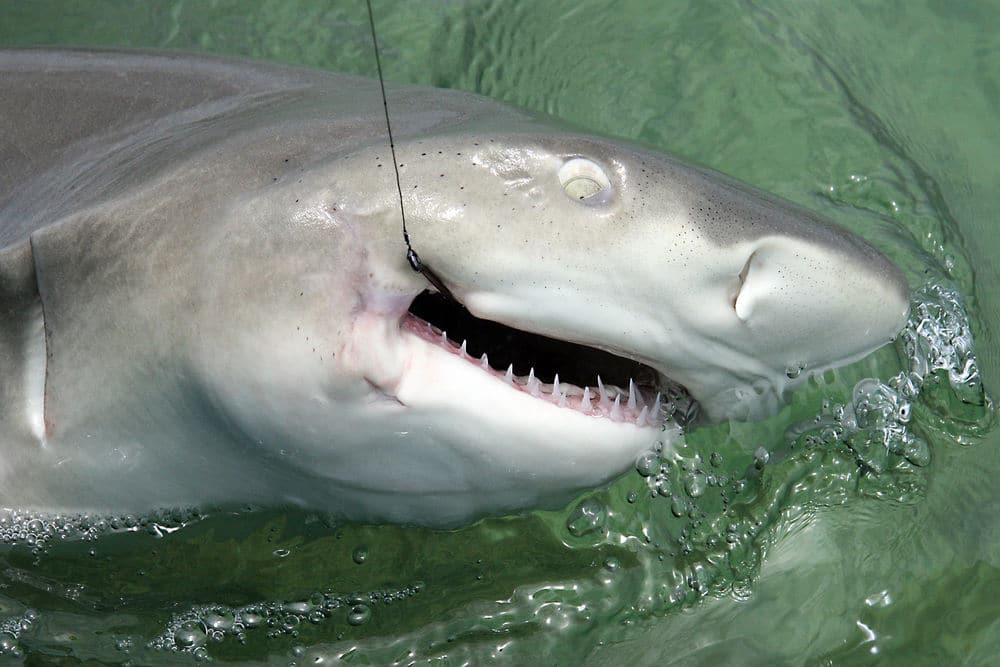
(600,298)
(705,289)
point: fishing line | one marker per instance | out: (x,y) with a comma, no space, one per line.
(411,254)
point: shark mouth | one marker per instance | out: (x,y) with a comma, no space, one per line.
(591,381)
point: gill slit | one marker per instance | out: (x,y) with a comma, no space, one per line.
(45,428)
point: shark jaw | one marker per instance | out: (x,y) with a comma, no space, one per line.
(449,359)
(592,382)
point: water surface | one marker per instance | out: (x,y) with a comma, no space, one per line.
(791,540)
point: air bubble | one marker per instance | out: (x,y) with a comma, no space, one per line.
(8,643)
(298,607)
(695,485)
(647,464)
(190,634)
(252,619)
(359,614)
(219,620)
(588,517)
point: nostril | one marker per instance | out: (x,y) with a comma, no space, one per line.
(741,279)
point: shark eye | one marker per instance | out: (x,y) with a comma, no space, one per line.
(584,181)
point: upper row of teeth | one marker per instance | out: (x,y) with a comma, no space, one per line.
(612,401)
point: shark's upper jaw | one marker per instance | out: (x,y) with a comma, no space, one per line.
(586,380)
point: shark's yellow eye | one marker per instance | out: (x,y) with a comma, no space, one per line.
(581,187)
(584,181)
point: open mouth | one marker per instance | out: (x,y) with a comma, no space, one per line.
(591,381)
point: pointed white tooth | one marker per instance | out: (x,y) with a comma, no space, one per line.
(585,401)
(605,403)
(641,419)
(533,383)
(631,395)
(655,414)
(444,337)
(556,392)
(509,375)
(616,409)
(484,362)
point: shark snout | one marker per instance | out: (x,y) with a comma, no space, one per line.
(814,304)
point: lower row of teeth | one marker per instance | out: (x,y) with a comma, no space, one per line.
(601,400)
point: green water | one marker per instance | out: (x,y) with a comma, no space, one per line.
(761,543)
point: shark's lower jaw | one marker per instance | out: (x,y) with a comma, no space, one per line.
(600,384)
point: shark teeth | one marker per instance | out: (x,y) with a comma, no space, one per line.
(533,384)
(627,406)
(603,393)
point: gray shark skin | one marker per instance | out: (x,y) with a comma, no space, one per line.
(204,293)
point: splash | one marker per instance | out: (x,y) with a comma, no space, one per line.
(37,529)
(194,630)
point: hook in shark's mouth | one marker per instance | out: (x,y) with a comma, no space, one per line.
(591,381)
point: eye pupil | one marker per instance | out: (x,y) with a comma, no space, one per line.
(582,187)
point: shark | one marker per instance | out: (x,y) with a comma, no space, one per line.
(205,296)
